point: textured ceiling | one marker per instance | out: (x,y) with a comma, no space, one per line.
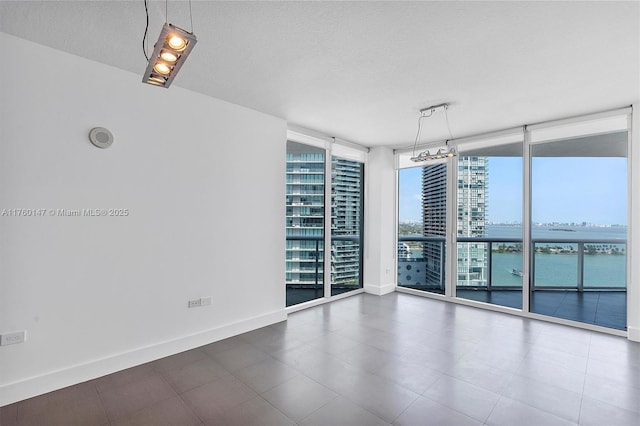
(361,70)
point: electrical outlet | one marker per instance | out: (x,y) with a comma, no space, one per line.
(194,303)
(12,338)
(206,301)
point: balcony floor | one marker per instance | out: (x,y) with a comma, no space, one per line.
(604,308)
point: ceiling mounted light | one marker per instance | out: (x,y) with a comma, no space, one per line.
(441,153)
(170,51)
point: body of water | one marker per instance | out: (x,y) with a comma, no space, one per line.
(559,269)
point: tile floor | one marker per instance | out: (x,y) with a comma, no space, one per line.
(367,360)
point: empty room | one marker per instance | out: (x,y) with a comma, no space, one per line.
(319,213)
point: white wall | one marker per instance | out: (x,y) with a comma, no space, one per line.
(380,223)
(98,294)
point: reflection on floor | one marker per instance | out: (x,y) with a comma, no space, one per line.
(300,295)
(604,308)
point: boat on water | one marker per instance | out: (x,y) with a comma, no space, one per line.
(517,272)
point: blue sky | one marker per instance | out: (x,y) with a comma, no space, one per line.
(565,190)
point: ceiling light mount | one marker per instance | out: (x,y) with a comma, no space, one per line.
(169,53)
(428,111)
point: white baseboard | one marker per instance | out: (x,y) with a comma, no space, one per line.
(380,290)
(58,379)
(633,334)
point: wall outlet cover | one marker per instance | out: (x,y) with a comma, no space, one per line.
(13,338)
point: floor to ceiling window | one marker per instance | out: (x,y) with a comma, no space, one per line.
(422,227)
(489,224)
(347,210)
(578,230)
(305,223)
(539,215)
(311,181)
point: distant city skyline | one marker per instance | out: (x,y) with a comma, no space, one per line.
(584,189)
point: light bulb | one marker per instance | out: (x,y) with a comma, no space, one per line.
(168,56)
(162,68)
(159,80)
(177,42)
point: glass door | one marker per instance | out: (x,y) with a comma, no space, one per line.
(578,229)
(489,225)
(422,227)
(304,223)
(347,214)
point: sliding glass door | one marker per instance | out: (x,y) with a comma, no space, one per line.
(422,227)
(347,213)
(489,225)
(311,181)
(578,229)
(538,220)
(305,223)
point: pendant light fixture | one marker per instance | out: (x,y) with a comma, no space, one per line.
(169,53)
(441,153)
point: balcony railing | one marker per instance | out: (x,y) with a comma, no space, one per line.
(316,256)
(478,267)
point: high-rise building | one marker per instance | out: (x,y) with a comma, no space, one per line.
(305,208)
(434,221)
(471,207)
(472,214)
(346,221)
(305,216)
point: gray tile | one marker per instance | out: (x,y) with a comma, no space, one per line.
(265,374)
(255,411)
(426,412)
(27,411)
(333,343)
(598,413)
(562,359)
(622,372)
(239,357)
(87,410)
(509,412)
(178,361)
(613,392)
(123,377)
(380,396)
(366,357)
(549,398)
(9,415)
(615,349)
(137,395)
(480,374)
(223,345)
(170,412)
(558,341)
(302,358)
(196,374)
(209,401)
(464,397)
(73,393)
(415,377)
(342,412)
(299,397)
(552,374)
